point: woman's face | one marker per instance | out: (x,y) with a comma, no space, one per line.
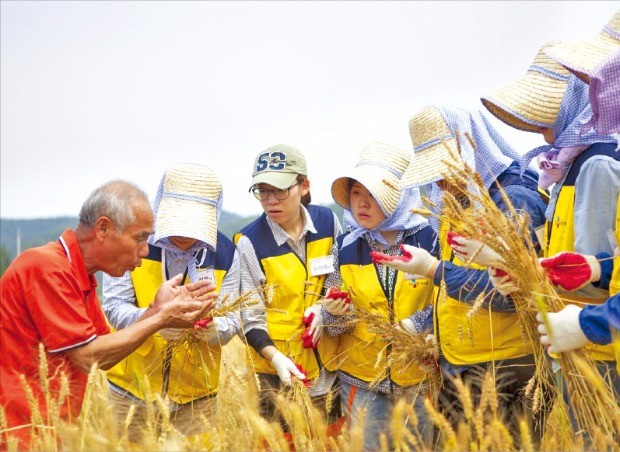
(182,243)
(364,207)
(547,133)
(283,211)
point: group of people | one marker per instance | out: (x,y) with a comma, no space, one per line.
(169,273)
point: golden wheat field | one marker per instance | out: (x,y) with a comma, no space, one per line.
(483,426)
(239,427)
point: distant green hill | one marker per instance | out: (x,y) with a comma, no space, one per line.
(37,232)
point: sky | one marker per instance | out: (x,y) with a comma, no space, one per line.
(96,91)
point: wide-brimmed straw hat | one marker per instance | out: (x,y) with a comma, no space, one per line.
(432,141)
(279,166)
(379,169)
(582,56)
(190,198)
(533,101)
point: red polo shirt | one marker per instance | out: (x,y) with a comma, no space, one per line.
(46,297)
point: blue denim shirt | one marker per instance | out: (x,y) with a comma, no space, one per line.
(597,321)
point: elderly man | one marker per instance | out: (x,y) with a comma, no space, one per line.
(48,297)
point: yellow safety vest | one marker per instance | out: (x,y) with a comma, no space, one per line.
(483,337)
(295,291)
(195,369)
(360,349)
(561,237)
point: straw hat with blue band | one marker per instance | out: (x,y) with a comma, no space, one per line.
(433,133)
(278,166)
(188,204)
(581,57)
(379,169)
(533,101)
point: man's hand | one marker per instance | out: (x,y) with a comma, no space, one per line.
(415,261)
(171,288)
(571,271)
(314,326)
(189,305)
(566,333)
(473,251)
(286,368)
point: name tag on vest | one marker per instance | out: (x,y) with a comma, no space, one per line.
(206,273)
(321,265)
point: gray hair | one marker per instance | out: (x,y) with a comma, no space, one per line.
(114,200)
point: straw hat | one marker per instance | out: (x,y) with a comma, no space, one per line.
(429,132)
(279,166)
(582,56)
(534,100)
(379,169)
(189,199)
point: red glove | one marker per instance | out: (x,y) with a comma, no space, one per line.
(334,293)
(451,237)
(379,257)
(313,320)
(305,380)
(571,271)
(203,323)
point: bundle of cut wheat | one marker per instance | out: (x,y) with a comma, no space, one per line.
(591,398)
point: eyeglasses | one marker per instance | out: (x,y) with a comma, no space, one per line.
(262,194)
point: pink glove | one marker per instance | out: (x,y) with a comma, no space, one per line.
(571,271)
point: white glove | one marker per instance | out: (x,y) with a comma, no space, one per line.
(337,306)
(420,261)
(407,326)
(209,333)
(314,331)
(285,368)
(467,249)
(171,334)
(501,281)
(566,333)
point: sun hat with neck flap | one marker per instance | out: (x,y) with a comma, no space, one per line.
(434,130)
(533,101)
(188,204)
(581,57)
(379,169)
(278,166)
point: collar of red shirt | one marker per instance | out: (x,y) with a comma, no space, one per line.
(87,282)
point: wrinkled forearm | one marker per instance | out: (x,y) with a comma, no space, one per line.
(109,349)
